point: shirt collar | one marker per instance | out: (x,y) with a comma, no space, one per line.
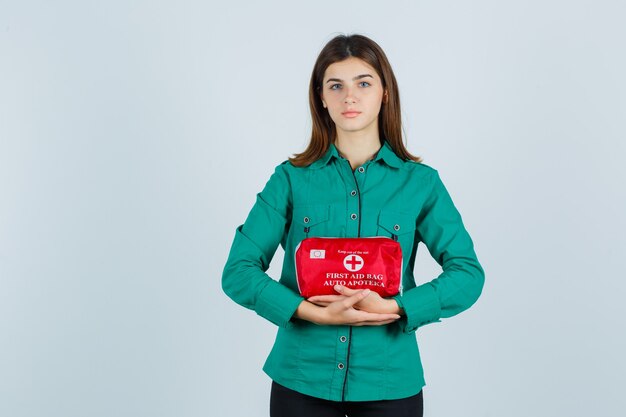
(385,153)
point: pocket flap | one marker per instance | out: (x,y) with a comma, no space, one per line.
(396,222)
(311,215)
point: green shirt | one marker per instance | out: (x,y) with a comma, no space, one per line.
(383,197)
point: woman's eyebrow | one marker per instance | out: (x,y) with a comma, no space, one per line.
(355,78)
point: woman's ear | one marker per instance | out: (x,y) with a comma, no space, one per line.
(322,100)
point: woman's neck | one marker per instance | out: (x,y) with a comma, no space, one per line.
(357,151)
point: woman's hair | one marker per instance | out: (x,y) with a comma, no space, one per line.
(389,121)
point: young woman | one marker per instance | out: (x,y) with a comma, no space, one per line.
(354,353)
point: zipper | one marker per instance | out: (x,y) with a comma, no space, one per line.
(345,377)
(400,289)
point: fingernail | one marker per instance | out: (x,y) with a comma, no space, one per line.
(366,291)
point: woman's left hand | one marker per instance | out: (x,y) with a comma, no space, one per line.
(373,303)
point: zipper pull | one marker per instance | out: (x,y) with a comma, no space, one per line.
(306,230)
(394,237)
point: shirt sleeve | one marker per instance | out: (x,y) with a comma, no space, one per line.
(244,278)
(460,284)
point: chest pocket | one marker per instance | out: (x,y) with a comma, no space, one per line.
(311,220)
(399,226)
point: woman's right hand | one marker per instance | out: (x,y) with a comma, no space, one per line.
(343,312)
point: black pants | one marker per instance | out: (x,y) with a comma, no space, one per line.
(285,402)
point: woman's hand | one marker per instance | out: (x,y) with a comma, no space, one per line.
(342,311)
(372,303)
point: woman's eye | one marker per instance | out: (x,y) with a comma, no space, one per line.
(332,87)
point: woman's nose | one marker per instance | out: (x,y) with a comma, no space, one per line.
(350,95)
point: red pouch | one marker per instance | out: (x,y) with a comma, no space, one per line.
(358,263)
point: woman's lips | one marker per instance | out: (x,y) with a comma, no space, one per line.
(351,114)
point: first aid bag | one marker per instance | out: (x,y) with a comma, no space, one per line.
(358,263)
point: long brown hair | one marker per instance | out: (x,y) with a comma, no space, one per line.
(389,121)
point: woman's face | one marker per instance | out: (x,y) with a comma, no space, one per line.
(352,92)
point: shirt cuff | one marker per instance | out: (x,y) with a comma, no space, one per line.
(421,306)
(278,303)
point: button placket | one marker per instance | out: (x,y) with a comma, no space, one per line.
(353,208)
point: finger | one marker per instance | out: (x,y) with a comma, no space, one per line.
(325,298)
(345,290)
(321,303)
(353,299)
(374,323)
(373,317)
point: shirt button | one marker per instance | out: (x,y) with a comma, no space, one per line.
(353,192)
(340,366)
(343,338)
(361,169)
(396,227)
(306,219)
(353,216)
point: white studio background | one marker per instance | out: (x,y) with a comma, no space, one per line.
(135,135)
